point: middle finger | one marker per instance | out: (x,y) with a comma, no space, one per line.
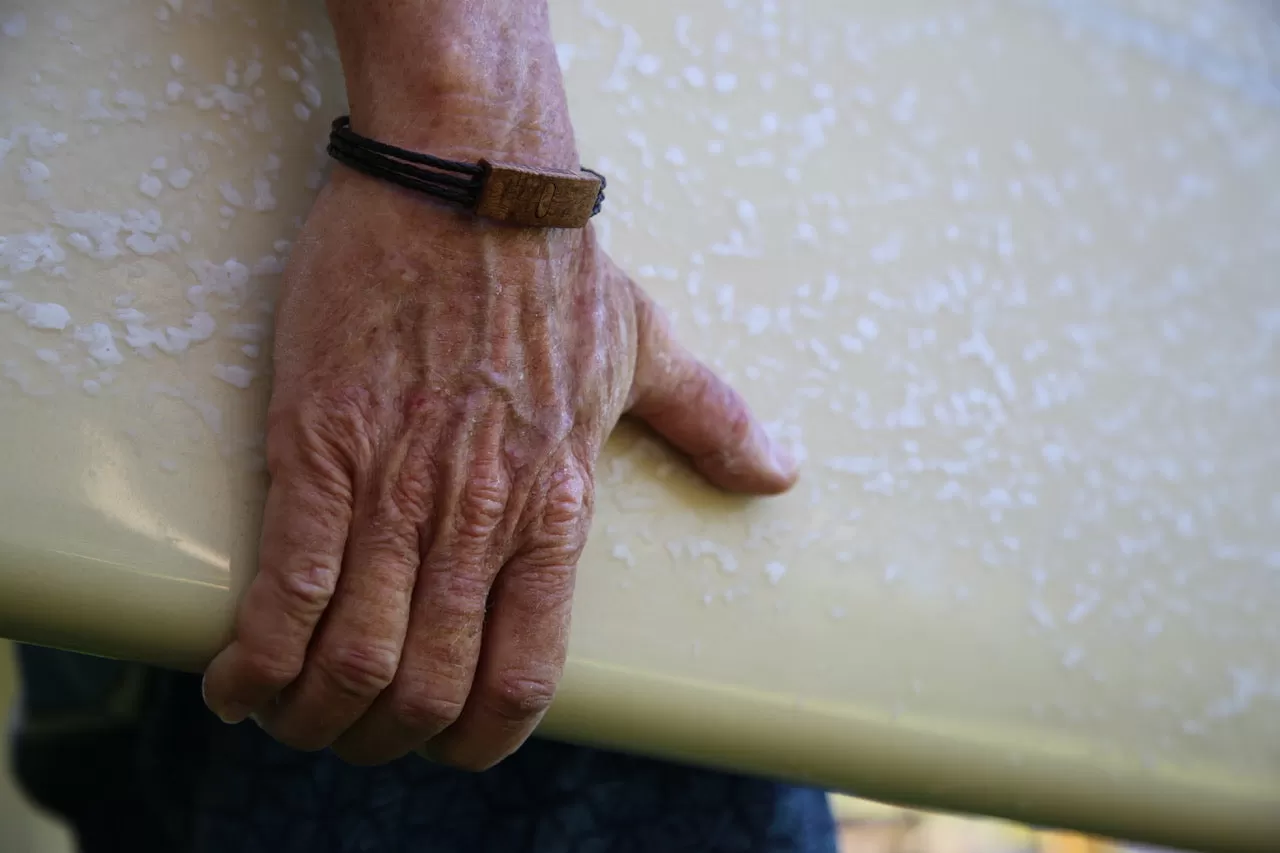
(446,623)
(356,650)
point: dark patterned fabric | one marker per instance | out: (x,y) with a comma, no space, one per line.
(132,759)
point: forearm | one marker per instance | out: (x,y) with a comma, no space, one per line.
(458,78)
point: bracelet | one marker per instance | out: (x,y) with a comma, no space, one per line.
(517,195)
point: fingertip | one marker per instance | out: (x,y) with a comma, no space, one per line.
(223,707)
(759,475)
(773,483)
(757,466)
(785,468)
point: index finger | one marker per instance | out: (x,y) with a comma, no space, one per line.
(304,534)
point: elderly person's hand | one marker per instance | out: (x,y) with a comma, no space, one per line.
(443,387)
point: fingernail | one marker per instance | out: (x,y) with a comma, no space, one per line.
(783,461)
(230,715)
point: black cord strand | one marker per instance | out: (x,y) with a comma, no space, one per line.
(450,180)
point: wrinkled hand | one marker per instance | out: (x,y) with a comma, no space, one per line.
(443,388)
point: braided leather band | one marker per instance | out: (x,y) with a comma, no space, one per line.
(504,192)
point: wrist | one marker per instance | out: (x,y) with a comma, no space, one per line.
(461,79)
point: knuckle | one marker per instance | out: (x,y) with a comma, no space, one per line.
(361,670)
(272,669)
(320,435)
(307,589)
(482,505)
(520,696)
(549,561)
(426,712)
(410,492)
(407,498)
(566,502)
(559,532)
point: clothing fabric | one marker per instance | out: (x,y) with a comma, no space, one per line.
(130,757)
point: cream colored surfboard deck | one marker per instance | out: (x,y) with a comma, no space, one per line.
(1005,275)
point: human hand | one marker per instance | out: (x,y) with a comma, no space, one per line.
(443,387)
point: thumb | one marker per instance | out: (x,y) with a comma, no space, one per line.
(691,407)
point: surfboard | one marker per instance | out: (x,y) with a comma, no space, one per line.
(1003,276)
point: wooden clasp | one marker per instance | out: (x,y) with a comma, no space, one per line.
(541,198)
